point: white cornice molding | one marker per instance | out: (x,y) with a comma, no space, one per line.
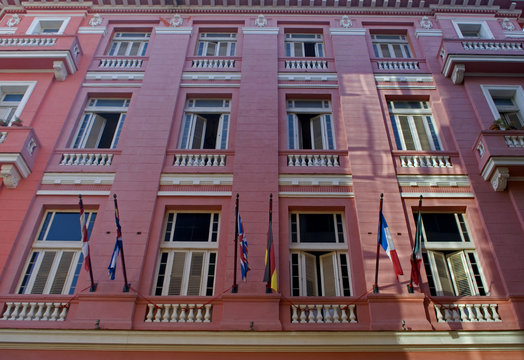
(17,160)
(436,195)
(73,192)
(64,55)
(433,180)
(514,34)
(417,78)
(114,75)
(428,32)
(109,85)
(174,30)
(307,77)
(413,87)
(311,194)
(316,180)
(196,179)
(209,85)
(260,31)
(195,193)
(78,178)
(451,60)
(499,161)
(92,30)
(211,76)
(344,31)
(308,86)
(7,30)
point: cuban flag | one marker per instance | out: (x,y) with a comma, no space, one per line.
(118,246)
(244,266)
(386,241)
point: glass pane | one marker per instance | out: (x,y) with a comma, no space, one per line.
(317,228)
(211,48)
(64,227)
(385,50)
(441,227)
(192,227)
(222,49)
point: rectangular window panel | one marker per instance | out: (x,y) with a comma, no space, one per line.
(317,228)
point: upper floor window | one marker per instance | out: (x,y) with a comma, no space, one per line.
(129,44)
(472,30)
(413,126)
(319,260)
(101,124)
(304,45)
(310,124)
(44,26)
(216,44)
(13,97)
(506,104)
(206,123)
(56,255)
(391,46)
(450,259)
(188,254)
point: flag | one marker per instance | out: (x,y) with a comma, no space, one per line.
(83,232)
(270,273)
(416,256)
(242,240)
(386,241)
(118,246)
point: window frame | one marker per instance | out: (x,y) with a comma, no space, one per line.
(117,41)
(483,33)
(403,42)
(10,87)
(300,38)
(204,41)
(36,26)
(513,92)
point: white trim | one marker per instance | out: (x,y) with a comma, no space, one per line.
(92,30)
(342,31)
(120,85)
(316,180)
(452,59)
(38,18)
(307,77)
(29,85)
(494,162)
(78,178)
(195,193)
(94,75)
(514,34)
(8,30)
(293,194)
(433,180)
(65,55)
(415,87)
(18,161)
(174,30)
(196,179)
(436,195)
(211,76)
(209,85)
(260,31)
(403,78)
(427,32)
(74,192)
(518,96)
(309,86)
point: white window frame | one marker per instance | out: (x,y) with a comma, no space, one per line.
(297,39)
(401,41)
(89,119)
(429,124)
(192,117)
(220,39)
(14,87)
(516,93)
(322,113)
(447,250)
(36,26)
(118,41)
(188,248)
(333,250)
(45,245)
(484,31)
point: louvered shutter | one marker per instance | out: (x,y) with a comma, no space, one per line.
(311,275)
(316,133)
(460,273)
(328,267)
(61,272)
(195,273)
(177,273)
(409,144)
(421,132)
(442,275)
(43,272)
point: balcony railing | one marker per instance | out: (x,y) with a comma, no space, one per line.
(212,63)
(399,65)
(35,311)
(200,160)
(432,161)
(18,148)
(467,312)
(87,159)
(124,63)
(179,313)
(316,160)
(514,141)
(306,64)
(323,314)
(492,45)
(27,41)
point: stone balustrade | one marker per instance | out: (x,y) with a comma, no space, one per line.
(425,161)
(3,135)
(514,141)
(88,159)
(467,312)
(306,64)
(313,160)
(35,311)
(120,63)
(492,45)
(30,42)
(323,314)
(199,160)
(398,65)
(213,64)
(179,313)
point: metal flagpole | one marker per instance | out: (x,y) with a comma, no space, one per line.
(379,241)
(234,288)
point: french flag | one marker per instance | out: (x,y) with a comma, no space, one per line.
(386,241)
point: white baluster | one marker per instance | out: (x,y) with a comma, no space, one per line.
(438,312)
(352,314)
(207,316)
(158,314)
(327,313)
(14,314)
(174,313)
(463,316)
(31,314)
(39,313)
(471,314)
(487,315)
(479,313)
(191,315)
(311,317)
(294,314)
(303,318)
(494,312)
(182,316)
(63,313)
(7,311)
(199,313)
(165,318)
(54,315)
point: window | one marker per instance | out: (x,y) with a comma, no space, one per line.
(319,261)
(13,97)
(450,259)
(188,254)
(129,44)
(472,30)
(507,104)
(413,126)
(304,45)
(310,125)
(391,46)
(101,124)
(44,26)
(56,256)
(205,125)
(216,44)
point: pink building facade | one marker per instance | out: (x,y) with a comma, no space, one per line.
(177,108)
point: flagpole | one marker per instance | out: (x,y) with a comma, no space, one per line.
(413,255)
(375,285)
(268,284)
(93,285)
(126,283)
(234,288)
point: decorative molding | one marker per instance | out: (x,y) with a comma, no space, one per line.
(60,70)
(307,77)
(514,34)
(433,180)
(173,30)
(426,23)
(316,180)
(453,59)
(436,195)
(292,194)
(116,75)
(196,179)
(17,160)
(507,24)
(74,192)
(10,175)
(210,85)
(15,20)
(428,32)
(403,78)
(500,161)
(66,55)
(308,86)
(260,31)
(176,20)
(119,85)
(413,87)
(261,21)
(457,76)
(195,193)
(78,178)
(499,179)
(92,30)
(96,20)
(346,22)
(344,31)
(235,76)
(7,31)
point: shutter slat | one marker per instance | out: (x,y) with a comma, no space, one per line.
(61,272)
(43,272)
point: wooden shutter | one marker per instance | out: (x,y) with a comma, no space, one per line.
(409,144)
(198,132)
(177,273)
(310,265)
(316,133)
(460,273)
(62,272)
(43,272)
(95,133)
(421,132)
(195,273)
(442,278)
(328,266)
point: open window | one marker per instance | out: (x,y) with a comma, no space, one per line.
(216,44)
(13,97)
(48,26)
(413,126)
(391,46)
(310,125)
(101,124)
(56,258)
(188,254)
(318,260)
(129,44)
(450,259)
(206,124)
(304,45)
(506,104)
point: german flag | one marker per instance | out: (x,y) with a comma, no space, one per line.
(270,273)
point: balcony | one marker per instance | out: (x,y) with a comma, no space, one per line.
(500,153)
(427,162)
(312,161)
(480,56)
(18,149)
(115,63)
(213,63)
(35,311)
(201,160)
(307,64)
(399,66)
(92,160)
(36,52)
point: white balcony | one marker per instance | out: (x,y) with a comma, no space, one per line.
(202,160)
(392,65)
(35,311)
(322,160)
(323,314)
(213,64)
(467,313)
(86,159)
(306,64)
(431,161)
(179,313)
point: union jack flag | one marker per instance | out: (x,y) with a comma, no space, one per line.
(244,266)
